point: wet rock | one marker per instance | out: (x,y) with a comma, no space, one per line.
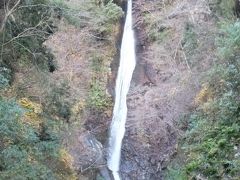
(87,152)
(104,174)
(128,167)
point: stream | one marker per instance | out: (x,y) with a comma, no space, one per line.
(125,71)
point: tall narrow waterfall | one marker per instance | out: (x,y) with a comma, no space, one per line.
(125,71)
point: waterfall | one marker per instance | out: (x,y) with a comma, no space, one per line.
(125,71)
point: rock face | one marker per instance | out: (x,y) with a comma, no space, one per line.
(164,83)
(89,152)
(163,88)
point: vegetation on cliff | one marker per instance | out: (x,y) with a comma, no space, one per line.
(36,108)
(211,144)
(43,98)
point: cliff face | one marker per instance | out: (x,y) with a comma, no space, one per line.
(89,61)
(176,50)
(67,73)
(171,37)
(170,59)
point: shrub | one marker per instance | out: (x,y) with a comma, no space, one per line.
(98,98)
(212,140)
(5,77)
(100,19)
(105,17)
(223,8)
(175,174)
(17,140)
(26,152)
(229,42)
(155,30)
(25,30)
(57,101)
(190,42)
(97,63)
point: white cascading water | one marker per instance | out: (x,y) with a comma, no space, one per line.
(125,71)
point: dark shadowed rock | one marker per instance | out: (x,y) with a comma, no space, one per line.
(150,73)
(89,155)
(87,152)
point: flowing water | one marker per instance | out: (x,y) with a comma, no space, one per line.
(125,71)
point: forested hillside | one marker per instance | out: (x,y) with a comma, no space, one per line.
(58,66)
(209,148)
(54,67)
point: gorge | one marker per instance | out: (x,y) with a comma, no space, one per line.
(98,89)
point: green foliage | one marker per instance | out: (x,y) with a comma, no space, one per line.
(190,42)
(27,152)
(98,98)
(17,166)
(110,13)
(57,101)
(211,146)
(229,43)
(100,19)
(159,34)
(5,77)
(223,8)
(97,63)
(155,30)
(176,174)
(103,18)
(25,31)
(212,141)
(23,153)
(24,149)
(10,129)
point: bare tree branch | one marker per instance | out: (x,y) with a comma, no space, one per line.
(8,12)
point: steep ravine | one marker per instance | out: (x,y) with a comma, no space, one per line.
(76,52)
(164,85)
(57,89)
(162,91)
